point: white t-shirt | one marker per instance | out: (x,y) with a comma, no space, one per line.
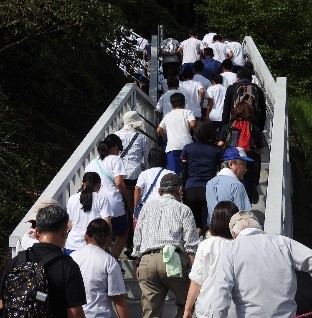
(217,93)
(193,102)
(164,105)
(113,167)
(229,78)
(101,277)
(238,52)
(145,180)
(208,38)
(204,272)
(80,219)
(176,126)
(219,51)
(191,49)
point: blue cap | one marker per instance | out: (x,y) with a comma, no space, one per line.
(233,153)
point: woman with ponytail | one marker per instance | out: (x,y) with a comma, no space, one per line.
(83,207)
(112,172)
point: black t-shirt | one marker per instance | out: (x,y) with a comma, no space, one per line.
(66,288)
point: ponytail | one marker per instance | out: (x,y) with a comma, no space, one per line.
(109,142)
(90,180)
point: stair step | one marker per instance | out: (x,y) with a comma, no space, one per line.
(135,309)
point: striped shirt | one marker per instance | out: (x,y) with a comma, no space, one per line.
(136,155)
(162,222)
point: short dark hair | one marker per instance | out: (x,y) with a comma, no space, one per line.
(157,157)
(99,230)
(109,142)
(173,81)
(187,74)
(217,37)
(51,219)
(221,217)
(208,51)
(193,32)
(205,132)
(170,182)
(227,64)
(198,66)
(244,73)
(217,78)
(177,100)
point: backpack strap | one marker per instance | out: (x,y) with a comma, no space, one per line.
(23,257)
(104,173)
(130,145)
(152,186)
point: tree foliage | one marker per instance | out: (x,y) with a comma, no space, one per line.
(280,29)
(22,20)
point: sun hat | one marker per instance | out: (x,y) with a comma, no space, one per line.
(242,215)
(42,203)
(233,153)
(133,119)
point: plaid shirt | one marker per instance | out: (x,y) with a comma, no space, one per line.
(162,222)
(136,155)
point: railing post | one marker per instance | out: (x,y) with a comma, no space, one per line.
(276,190)
(153,88)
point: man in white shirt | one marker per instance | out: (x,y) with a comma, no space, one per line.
(257,271)
(229,77)
(176,126)
(235,52)
(219,48)
(208,38)
(195,91)
(190,50)
(216,94)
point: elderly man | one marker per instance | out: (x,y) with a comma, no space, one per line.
(165,242)
(257,271)
(226,186)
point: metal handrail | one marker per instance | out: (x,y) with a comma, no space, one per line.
(278,212)
(68,180)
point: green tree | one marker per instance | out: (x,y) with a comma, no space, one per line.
(281,31)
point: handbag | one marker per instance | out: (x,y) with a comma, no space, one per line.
(139,206)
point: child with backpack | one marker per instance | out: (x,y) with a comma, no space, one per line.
(241,132)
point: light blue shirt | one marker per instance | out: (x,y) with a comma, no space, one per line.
(226,187)
(257,271)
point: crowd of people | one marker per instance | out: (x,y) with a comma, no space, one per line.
(181,210)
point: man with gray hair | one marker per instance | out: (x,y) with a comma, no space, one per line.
(257,271)
(226,186)
(165,242)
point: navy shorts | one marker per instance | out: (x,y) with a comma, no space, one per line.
(120,224)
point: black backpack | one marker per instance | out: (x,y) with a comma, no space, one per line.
(248,92)
(25,288)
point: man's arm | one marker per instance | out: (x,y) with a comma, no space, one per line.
(121,305)
(75,312)
(228,101)
(209,107)
(161,132)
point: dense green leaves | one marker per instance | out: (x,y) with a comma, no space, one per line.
(280,29)
(25,19)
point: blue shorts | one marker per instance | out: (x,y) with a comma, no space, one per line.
(67,251)
(120,224)
(174,161)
